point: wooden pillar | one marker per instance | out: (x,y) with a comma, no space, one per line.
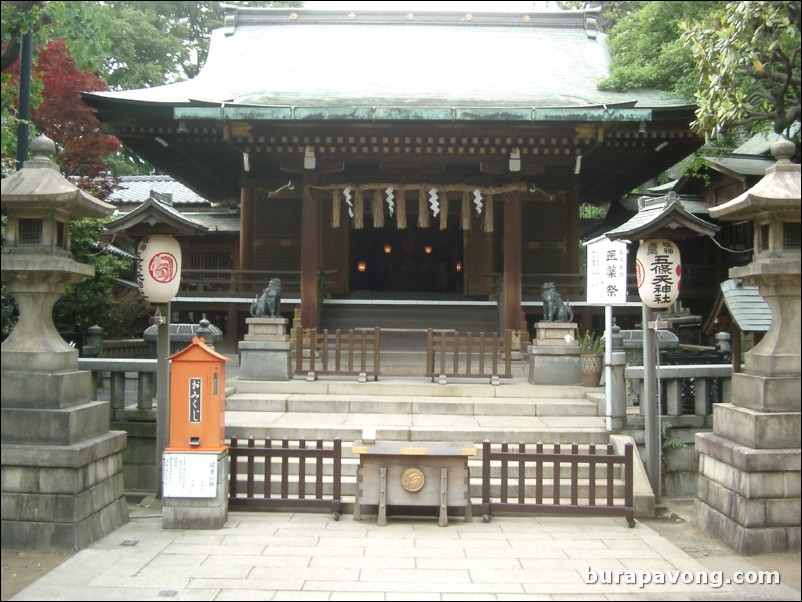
(735,346)
(572,231)
(232,320)
(247,226)
(512,261)
(310,257)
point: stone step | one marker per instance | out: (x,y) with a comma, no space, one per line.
(389,404)
(413,387)
(415,315)
(424,427)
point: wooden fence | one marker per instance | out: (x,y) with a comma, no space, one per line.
(253,468)
(353,353)
(537,501)
(449,353)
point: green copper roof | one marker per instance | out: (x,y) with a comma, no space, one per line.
(291,64)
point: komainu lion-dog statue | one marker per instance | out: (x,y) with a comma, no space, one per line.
(554,308)
(269,304)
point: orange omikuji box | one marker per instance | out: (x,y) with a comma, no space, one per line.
(197,399)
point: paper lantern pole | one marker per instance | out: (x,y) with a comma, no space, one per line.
(159,277)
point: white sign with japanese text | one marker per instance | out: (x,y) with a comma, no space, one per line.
(191,474)
(607,272)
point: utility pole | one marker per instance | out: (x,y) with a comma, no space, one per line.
(26,58)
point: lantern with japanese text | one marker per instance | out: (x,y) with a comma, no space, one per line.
(658,271)
(159,268)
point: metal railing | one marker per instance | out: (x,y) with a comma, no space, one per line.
(260,477)
(351,353)
(449,353)
(598,484)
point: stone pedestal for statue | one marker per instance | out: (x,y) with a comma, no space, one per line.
(62,473)
(554,355)
(266,352)
(749,466)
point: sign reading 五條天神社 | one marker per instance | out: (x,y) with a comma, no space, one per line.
(658,271)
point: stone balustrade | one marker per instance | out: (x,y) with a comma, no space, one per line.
(700,385)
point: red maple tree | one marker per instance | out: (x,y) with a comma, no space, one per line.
(63,117)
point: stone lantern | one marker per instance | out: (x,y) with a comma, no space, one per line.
(62,468)
(749,466)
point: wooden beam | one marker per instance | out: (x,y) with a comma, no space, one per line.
(323,166)
(500,168)
(417,167)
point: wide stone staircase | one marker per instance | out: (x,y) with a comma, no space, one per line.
(417,411)
(403,325)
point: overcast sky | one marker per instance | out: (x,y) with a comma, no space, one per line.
(496,5)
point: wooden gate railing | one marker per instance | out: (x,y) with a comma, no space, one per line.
(355,352)
(536,499)
(274,490)
(449,353)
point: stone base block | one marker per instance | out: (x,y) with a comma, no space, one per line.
(746,458)
(554,365)
(48,535)
(266,329)
(62,497)
(758,430)
(265,360)
(749,498)
(766,393)
(555,334)
(140,469)
(199,513)
(51,390)
(55,427)
(57,359)
(744,540)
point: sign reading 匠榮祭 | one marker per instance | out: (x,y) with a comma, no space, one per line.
(607,272)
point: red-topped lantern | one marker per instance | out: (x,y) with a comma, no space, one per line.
(159,270)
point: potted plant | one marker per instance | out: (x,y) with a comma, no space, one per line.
(591,358)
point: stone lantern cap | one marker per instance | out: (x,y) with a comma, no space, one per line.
(40,186)
(778,191)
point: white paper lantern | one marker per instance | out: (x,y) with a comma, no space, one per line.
(159,268)
(659,271)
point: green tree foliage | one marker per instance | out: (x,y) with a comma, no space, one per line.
(647,49)
(91,45)
(610,12)
(748,65)
(166,41)
(96,300)
(127,44)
